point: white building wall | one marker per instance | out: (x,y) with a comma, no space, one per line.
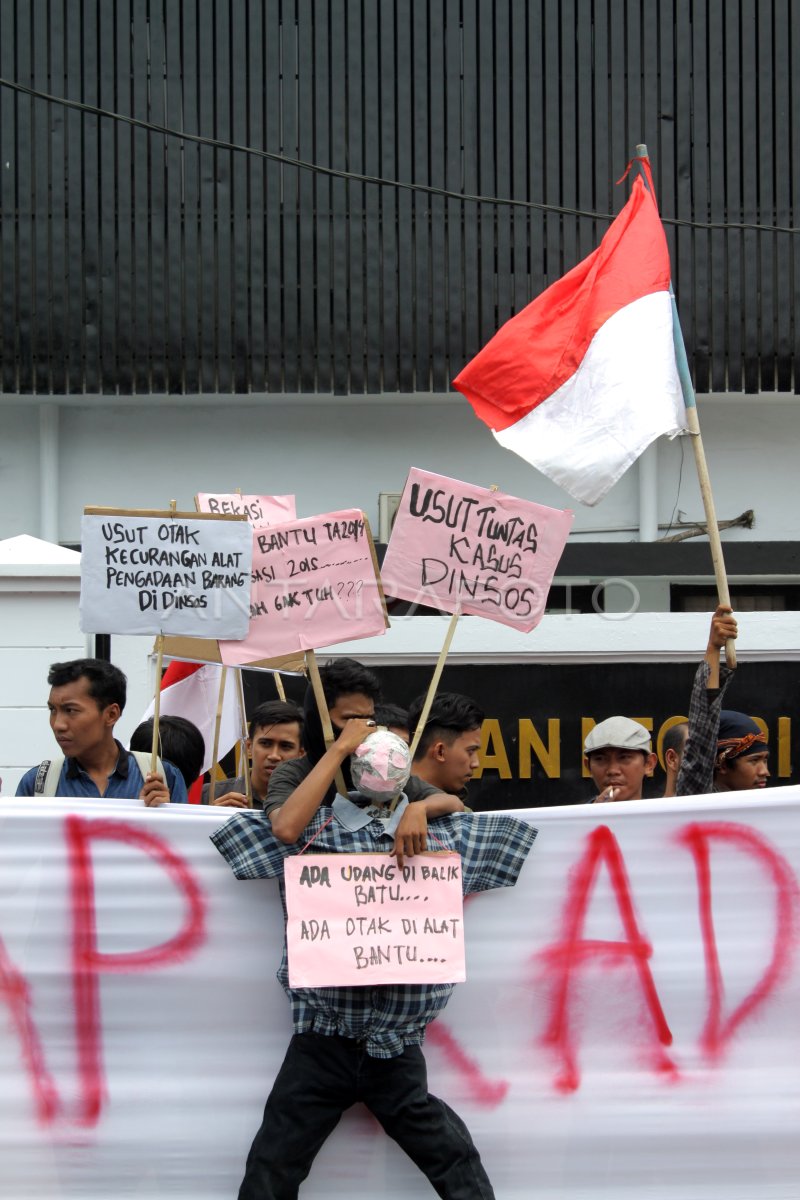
(342,452)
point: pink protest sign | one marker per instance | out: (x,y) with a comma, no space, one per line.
(314,582)
(359,919)
(469,549)
(260,511)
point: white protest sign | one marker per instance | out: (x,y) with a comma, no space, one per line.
(176,573)
(315,583)
(360,920)
(469,549)
(628,1027)
(261,511)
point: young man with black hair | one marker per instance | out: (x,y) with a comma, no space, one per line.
(276,736)
(351,691)
(180,742)
(447,754)
(87,696)
(619,756)
(394,718)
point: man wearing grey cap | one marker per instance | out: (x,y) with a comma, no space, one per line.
(619,755)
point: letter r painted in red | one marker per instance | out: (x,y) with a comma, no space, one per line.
(567,956)
(88,962)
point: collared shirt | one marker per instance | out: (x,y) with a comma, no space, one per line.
(124,782)
(696,774)
(388,1017)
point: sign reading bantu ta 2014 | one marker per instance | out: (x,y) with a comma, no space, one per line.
(469,549)
(177,573)
(360,920)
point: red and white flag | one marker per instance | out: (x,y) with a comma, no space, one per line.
(191,690)
(584,378)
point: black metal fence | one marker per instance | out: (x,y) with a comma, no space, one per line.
(133,260)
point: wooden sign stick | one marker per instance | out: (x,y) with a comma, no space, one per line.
(437,675)
(157,701)
(217,723)
(324,715)
(248,785)
(276,675)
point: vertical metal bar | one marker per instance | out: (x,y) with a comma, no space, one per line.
(373,259)
(405,205)
(701,137)
(158,288)
(717,153)
(108,183)
(751,282)
(223,196)
(324,219)
(420,70)
(433,374)
(354,123)
(256,185)
(142,323)
(389,198)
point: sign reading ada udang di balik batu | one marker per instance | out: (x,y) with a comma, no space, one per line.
(360,920)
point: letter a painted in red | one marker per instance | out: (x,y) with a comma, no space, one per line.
(717,1032)
(570,954)
(88,961)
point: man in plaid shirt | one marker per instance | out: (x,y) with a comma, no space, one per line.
(696,772)
(363,1044)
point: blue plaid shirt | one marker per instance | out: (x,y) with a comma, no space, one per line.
(388,1017)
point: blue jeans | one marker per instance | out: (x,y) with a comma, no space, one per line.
(323,1076)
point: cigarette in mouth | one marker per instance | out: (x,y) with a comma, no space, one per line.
(611,793)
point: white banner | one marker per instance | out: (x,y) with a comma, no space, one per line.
(628,1029)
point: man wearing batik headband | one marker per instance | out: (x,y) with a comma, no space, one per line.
(742,760)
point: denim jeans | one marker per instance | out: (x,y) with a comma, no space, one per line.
(323,1076)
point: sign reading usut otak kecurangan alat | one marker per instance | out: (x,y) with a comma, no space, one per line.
(164,572)
(315,582)
(473,550)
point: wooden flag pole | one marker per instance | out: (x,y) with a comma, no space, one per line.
(324,715)
(437,675)
(217,723)
(248,785)
(692,419)
(157,702)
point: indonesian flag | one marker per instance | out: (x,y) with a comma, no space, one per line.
(191,690)
(584,378)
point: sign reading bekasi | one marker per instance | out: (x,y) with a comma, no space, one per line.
(360,920)
(469,549)
(261,511)
(165,572)
(315,582)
